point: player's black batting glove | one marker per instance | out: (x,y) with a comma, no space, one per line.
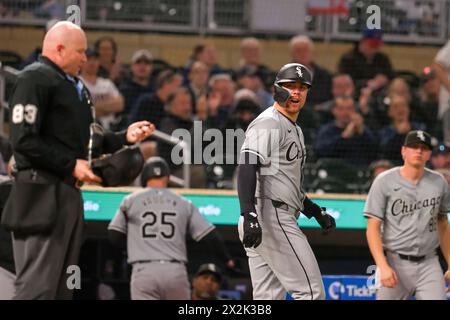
(325,220)
(252,230)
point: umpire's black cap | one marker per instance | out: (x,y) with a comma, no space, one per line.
(120,168)
(418,136)
(155,167)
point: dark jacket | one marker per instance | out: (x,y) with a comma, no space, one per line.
(148,107)
(359,150)
(321,86)
(50,120)
(356,65)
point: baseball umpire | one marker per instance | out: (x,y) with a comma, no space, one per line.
(407,210)
(152,224)
(271,196)
(51,117)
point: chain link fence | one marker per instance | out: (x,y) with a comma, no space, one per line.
(402,20)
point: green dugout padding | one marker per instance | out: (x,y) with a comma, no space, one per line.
(224,209)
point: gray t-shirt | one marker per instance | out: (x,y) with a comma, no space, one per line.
(409,212)
(156,222)
(279,143)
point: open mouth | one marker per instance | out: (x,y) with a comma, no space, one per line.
(294,100)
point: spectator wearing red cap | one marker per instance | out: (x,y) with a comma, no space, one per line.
(368,67)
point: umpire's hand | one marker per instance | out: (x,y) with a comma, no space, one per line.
(326,221)
(252,230)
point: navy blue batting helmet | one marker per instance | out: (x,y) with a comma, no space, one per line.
(155,167)
(291,72)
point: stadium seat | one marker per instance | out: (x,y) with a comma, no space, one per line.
(332,172)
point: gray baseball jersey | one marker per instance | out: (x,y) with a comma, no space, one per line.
(284,261)
(156,222)
(280,145)
(409,212)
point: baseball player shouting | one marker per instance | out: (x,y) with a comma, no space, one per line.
(153,223)
(271,196)
(411,203)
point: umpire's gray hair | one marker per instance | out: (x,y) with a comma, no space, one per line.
(301,39)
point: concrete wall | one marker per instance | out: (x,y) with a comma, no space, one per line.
(176,48)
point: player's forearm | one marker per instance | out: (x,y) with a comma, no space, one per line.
(373,234)
(444,238)
(442,75)
(247,181)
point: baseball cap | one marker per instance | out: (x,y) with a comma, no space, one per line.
(441,149)
(142,54)
(91,52)
(418,136)
(373,36)
(210,268)
(246,104)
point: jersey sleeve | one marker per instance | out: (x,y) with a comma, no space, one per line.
(198,225)
(119,222)
(443,56)
(375,206)
(262,139)
(444,207)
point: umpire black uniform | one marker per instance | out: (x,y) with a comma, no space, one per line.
(50,121)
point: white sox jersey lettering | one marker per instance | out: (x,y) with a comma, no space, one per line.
(156,222)
(409,211)
(280,145)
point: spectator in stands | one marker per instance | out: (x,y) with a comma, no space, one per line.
(250,77)
(302,51)
(150,106)
(106,98)
(139,83)
(393,135)
(367,66)
(379,166)
(51,9)
(246,111)
(376,114)
(440,157)
(206,53)
(375,168)
(33,57)
(223,89)
(198,82)
(429,101)
(206,282)
(250,50)
(179,116)
(347,137)
(342,86)
(110,67)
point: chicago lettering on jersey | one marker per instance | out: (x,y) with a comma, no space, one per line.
(400,206)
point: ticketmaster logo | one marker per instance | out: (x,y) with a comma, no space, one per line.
(336,290)
(210,210)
